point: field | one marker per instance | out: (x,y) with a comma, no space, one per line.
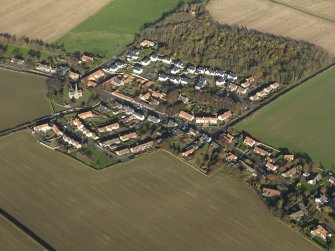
(311,20)
(22,98)
(45,19)
(12,238)
(152,203)
(112,28)
(301,120)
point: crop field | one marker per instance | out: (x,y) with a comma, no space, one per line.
(112,28)
(155,202)
(12,238)
(301,120)
(310,20)
(22,98)
(45,19)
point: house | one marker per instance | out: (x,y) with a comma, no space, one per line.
(200,70)
(246,84)
(189,151)
(42,128)
(142,147)
(89,134)
(201,83)
(290,172)
(272,167)
(78,123)
(17,61)
(289,157)
(162,76)
(261,94)
(231,76)
(231,157)
(204,139)
(220,81)
(147,43)
(128,136)
(73,75)
(174,70)
(249,141)
(157,94)
(127,78)
(320,231)
(316,179)
(153,57)
(331,179)
(91,83)
(145,61)
(95,75)
(171,124)
(297,215)
(267,90)
(72,142)
(154,119)
(184,80)
(167,60)
(75,93)
(268,192)
(228,137)
(254,98)
(191,69)
(56,130)
(109,142)
(175,79)
(128,109)
(241,90)
(86,58)
(261,151)
(225,116)
(138,116)
(116,80)
(206,120)
(321,200)
(274,86)
(148,84)
(109,128)
(232,87)
(178,63)
(138,69)
(186,116)
(45,68)
(154,102)
(85,115)
(122,151)
(133,54)
(145,96)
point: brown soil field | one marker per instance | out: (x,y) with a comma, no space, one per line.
(155,202)
(310,20)
(45,19)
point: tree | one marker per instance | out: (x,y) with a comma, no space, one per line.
(172,96)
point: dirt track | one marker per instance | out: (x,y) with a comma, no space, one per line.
(45,19)
(278,19)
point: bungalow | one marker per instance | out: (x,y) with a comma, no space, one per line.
(145,96)
(321,200)
(186,116)
(138,69)
(85,115)
(268,192)
(225,116)
(289,157)
(271,167)
(128,136)
(86,58)
(261,151)
(122,151)
(206,120)
(95,75)
(290,173)
(56,129)
(320,231)
(109,142)
(142,147)
(189,151)
(42,128)
(147,43)
(231,157)
(154,119)
(249,141)
(220,81)
(297,215)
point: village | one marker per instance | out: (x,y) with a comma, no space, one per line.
(133,117)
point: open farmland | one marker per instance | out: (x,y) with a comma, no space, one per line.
(22,98)
(11,238)
(108,32)
(310,20)
(45,19)
(152,203)
(302,120)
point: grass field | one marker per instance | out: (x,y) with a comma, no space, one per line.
(12,238)
(301,120)
(108,32)
(152,203)
(22,98)
(48,19)
(310,20)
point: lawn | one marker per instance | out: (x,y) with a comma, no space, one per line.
(22,98)
(302,120)
(155,202)
(112,28)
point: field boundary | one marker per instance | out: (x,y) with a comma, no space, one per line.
(27,231)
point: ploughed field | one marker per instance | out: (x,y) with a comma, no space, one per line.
(45,19)
(22,98)
(155,202)
(310,20)
(302,120)
(11,238)
(111,29)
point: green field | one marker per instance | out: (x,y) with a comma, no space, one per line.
(111,29)
(302,120)
(11,238)
(155,202)
(22,98)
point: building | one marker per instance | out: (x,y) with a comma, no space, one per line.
(56,130)
(42,128)
(261,151)
(186,116)
(249,141)
(109,128)
(331,179)
(138,116)
(85,115)
(157,95)
(90,83)
(86,58)
(45,68)
(320,231)
(271,166)
(128,136)
(122,151)
(189,151)
(228,137)
(73,75)
(290,173)
(145,96)
(220,81)
(321,200)
(289,157)
(138,69)
(78,123)
(206,120)
(316,179)
(153,119)
(225,116)
(297,215)
(147,43)
(231,157)
(72,142)
(95,75)
(142,147)
(108,143)
(268,192)
(116,81)
(75,93)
